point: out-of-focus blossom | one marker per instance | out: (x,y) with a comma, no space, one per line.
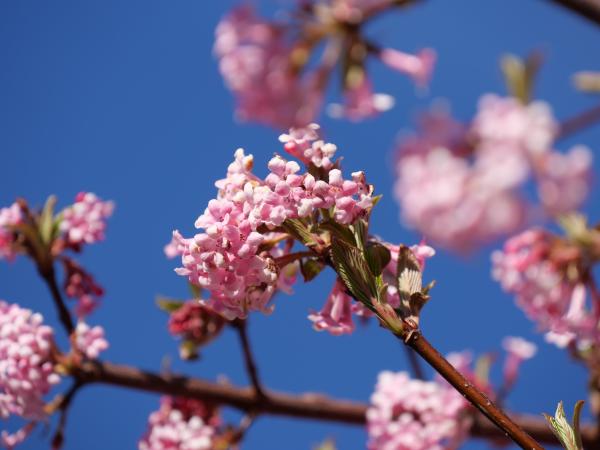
(196,324)
(517,351)
(361,103)
(268,65)
(336,315)
(464,186)
(543,290)
(26,366)
(11,440)
(81,285)
(90,340)
(9,217)
(408,414)
(84,222)
(226,258)
(180,424)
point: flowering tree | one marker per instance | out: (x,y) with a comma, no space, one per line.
(500,176)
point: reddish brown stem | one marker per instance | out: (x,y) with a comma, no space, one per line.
(49,276)
(579,122)
(307,406)
(477,398)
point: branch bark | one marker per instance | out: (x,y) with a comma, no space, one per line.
(307,406)
(588,9)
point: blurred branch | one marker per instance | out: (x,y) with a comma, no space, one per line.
(579,122)
(588,9)
(414,362)
(307,406)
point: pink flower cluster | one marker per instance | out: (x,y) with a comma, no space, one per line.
(226,259)
(180,425)
(408,414)
(81,285)
(84,222)
(26,367)
(9,217)
(462,186)
(196,324)
(543,290)
(336,315)
(264,63)
(254,60)
(90,340)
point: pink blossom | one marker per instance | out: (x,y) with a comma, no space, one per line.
(410,414)
(9,217)
(419,67)
(353,11)
(11,440)
(543,291)
(336,315)
(305,143)
(90,340)
(81,285)
(85,220)
(26,366)
(196,324)
(226,259)
(361,103)
(564,179)
(180,425)
(254,60)
(518,350)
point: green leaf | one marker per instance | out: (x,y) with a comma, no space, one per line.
(188,350)
(195,290)
(576,421)
(360,228)
(168,305)
(46,221)
(339,231)
(300,231)
(378,257)
(520,74)
(354,271)
(563,430)
(310,268)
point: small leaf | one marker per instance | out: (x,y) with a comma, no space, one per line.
(188,350)
(339,231)
(378,257)
(195,290)
(46,221)
(310,268)
(360,228)
(354,271)
(408,273)
(168,305)
(587,82)
(300,231)
(563,430)
(520,74)
(576,420)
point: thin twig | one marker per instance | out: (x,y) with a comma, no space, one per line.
(63,408)
(469,391)
(307,406)
(249,361)
(588,9)
(49,276)
(579,122)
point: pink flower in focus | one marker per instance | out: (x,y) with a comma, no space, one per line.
(90,340)
(85,220)
(9,217)
(361,103)
(26,367)
(410,414)
(336,315)
(180,424)
(518,350)
(419,67)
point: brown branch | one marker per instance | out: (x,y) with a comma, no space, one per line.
(579,122)
(414,363)
(249,361)
(63,408)
(306,406)
(49,276)
(588,9)
(477,398)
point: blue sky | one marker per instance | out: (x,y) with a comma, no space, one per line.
(124,99)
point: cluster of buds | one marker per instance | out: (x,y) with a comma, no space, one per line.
(463,185)
(183,424)
(84,222)
(9,218)
(81,286)
(551,278)
(240,261)
(265,63)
